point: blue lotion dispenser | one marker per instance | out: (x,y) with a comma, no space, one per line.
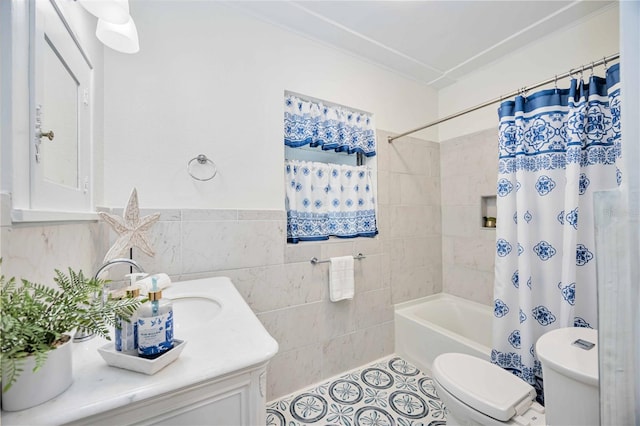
(155,324)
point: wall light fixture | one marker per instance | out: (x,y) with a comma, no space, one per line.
(115,28)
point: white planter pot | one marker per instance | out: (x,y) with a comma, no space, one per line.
(32,389)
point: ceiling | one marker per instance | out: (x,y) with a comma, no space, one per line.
(434,42)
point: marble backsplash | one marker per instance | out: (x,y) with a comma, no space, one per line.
(34,250)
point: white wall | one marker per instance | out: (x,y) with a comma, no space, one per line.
(586,41)
(209,79)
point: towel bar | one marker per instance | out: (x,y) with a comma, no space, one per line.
(314,260)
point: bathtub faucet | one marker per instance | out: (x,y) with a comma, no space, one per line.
(83,336)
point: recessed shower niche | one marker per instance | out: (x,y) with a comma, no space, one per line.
(488,211)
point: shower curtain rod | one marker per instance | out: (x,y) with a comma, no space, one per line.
(571,72)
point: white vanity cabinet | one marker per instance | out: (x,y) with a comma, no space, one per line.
(218,379)
(236,400)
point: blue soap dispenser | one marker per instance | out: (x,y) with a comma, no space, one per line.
(155,324)
(126,332)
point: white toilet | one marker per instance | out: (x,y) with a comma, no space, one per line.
(477,392)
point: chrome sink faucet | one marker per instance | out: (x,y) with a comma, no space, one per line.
(82,336)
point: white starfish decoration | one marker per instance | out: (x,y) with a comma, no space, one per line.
(130,229)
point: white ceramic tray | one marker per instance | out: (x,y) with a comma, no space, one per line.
(131,361)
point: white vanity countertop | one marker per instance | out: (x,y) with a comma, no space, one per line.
(236,340)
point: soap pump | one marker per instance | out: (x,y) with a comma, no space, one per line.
(126,332)
(155,324)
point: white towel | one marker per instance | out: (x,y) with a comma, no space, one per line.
(341,282)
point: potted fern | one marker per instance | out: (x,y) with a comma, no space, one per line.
(35,323)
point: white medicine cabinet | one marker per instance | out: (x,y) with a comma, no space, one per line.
(47,123)
(60,113)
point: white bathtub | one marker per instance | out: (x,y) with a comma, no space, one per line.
(432,325)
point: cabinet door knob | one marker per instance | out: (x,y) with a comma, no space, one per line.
(49,135)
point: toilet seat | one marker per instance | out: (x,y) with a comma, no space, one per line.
(486,388)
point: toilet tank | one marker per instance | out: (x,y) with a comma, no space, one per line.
(569,358)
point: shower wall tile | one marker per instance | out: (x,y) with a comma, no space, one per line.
(251,283)
(337,248)
(395,189)
(417,252)
(414,189)
(383,192)
(430,191)
(296,326)
(33,252)
(5,209)
(434,279)
(474,253)
(384,223)
(469,171)
(302,252)
(292,370)
(277,287)
(368,245)
(412,283)
(292,284)
(410,155)
(262,215)
(373,307)
(351,350)
(214,245)
(459,191)
(385,270)
(470,284)
(368,272)
(447,249)
(192,215)
(435,168)
(382,150)
(434,250)
(165,240)
(461,221)
(414,221)
(339,318)
(165,214)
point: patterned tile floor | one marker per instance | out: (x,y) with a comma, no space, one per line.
(389,392)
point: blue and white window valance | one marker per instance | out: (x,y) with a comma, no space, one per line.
(324,200)
(328,126)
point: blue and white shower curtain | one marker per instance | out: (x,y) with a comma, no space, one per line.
(557,147)
(325,200)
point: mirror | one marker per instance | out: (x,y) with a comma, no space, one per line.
(60,101)
(59,154)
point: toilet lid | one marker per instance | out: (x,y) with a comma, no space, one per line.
(483,386)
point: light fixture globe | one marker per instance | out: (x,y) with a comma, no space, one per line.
(123,38)
(113,11)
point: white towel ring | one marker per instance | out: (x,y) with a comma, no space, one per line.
(202,159)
